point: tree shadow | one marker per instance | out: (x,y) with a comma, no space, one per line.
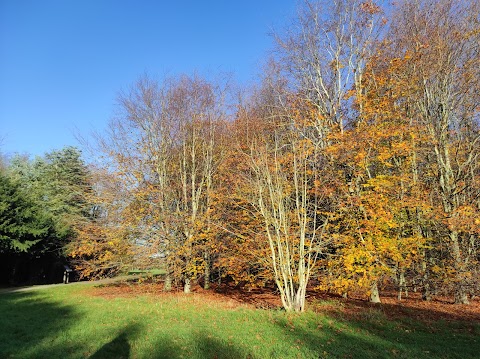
(203,345)
(32,322)
(210,347)
(374,335)
(30,319)
(119,347)
(409,308)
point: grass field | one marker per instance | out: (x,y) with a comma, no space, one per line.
(83,321)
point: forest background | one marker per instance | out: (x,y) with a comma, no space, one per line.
(352,166)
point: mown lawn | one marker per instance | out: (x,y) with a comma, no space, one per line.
(69,321)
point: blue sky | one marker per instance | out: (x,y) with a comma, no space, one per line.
(62,63)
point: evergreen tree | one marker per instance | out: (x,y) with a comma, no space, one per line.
(22,223)
(58,182)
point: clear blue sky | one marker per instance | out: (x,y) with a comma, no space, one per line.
(62,63)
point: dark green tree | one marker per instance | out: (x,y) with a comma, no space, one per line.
(48,195)
(58,182)
(23,224)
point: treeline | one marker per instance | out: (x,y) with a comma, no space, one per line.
(353,165)
(40,201)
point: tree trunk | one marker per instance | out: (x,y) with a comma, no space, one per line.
(460,292)
(402,286)
(426,292)
(187,287)
(219,276)
(294,303)
(299,304)
(374,295)
(167,286)
(206,283)
(461,295)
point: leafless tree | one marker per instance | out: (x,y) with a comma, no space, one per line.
(323,55)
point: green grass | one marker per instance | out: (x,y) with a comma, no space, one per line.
(68,322)
(149,272)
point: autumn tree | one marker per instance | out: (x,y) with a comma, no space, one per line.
(162,144)
(442,37)
(413,146)
(196,107)
(356,161)
(282,184)
(104,243)
(381,194)
(323,56)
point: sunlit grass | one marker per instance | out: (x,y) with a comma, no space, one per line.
(69,322)
(147,272)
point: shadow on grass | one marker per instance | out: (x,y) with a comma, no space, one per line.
(376,336)
(203,345)
(119,347)
(210,347)
(33,325)
(29,320)
(412,307)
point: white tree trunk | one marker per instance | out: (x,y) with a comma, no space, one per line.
(187,287)
(374,294)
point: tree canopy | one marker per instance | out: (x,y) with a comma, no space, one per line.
(352,166)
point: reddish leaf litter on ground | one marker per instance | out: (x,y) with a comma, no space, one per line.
(439,308)
(215,297)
